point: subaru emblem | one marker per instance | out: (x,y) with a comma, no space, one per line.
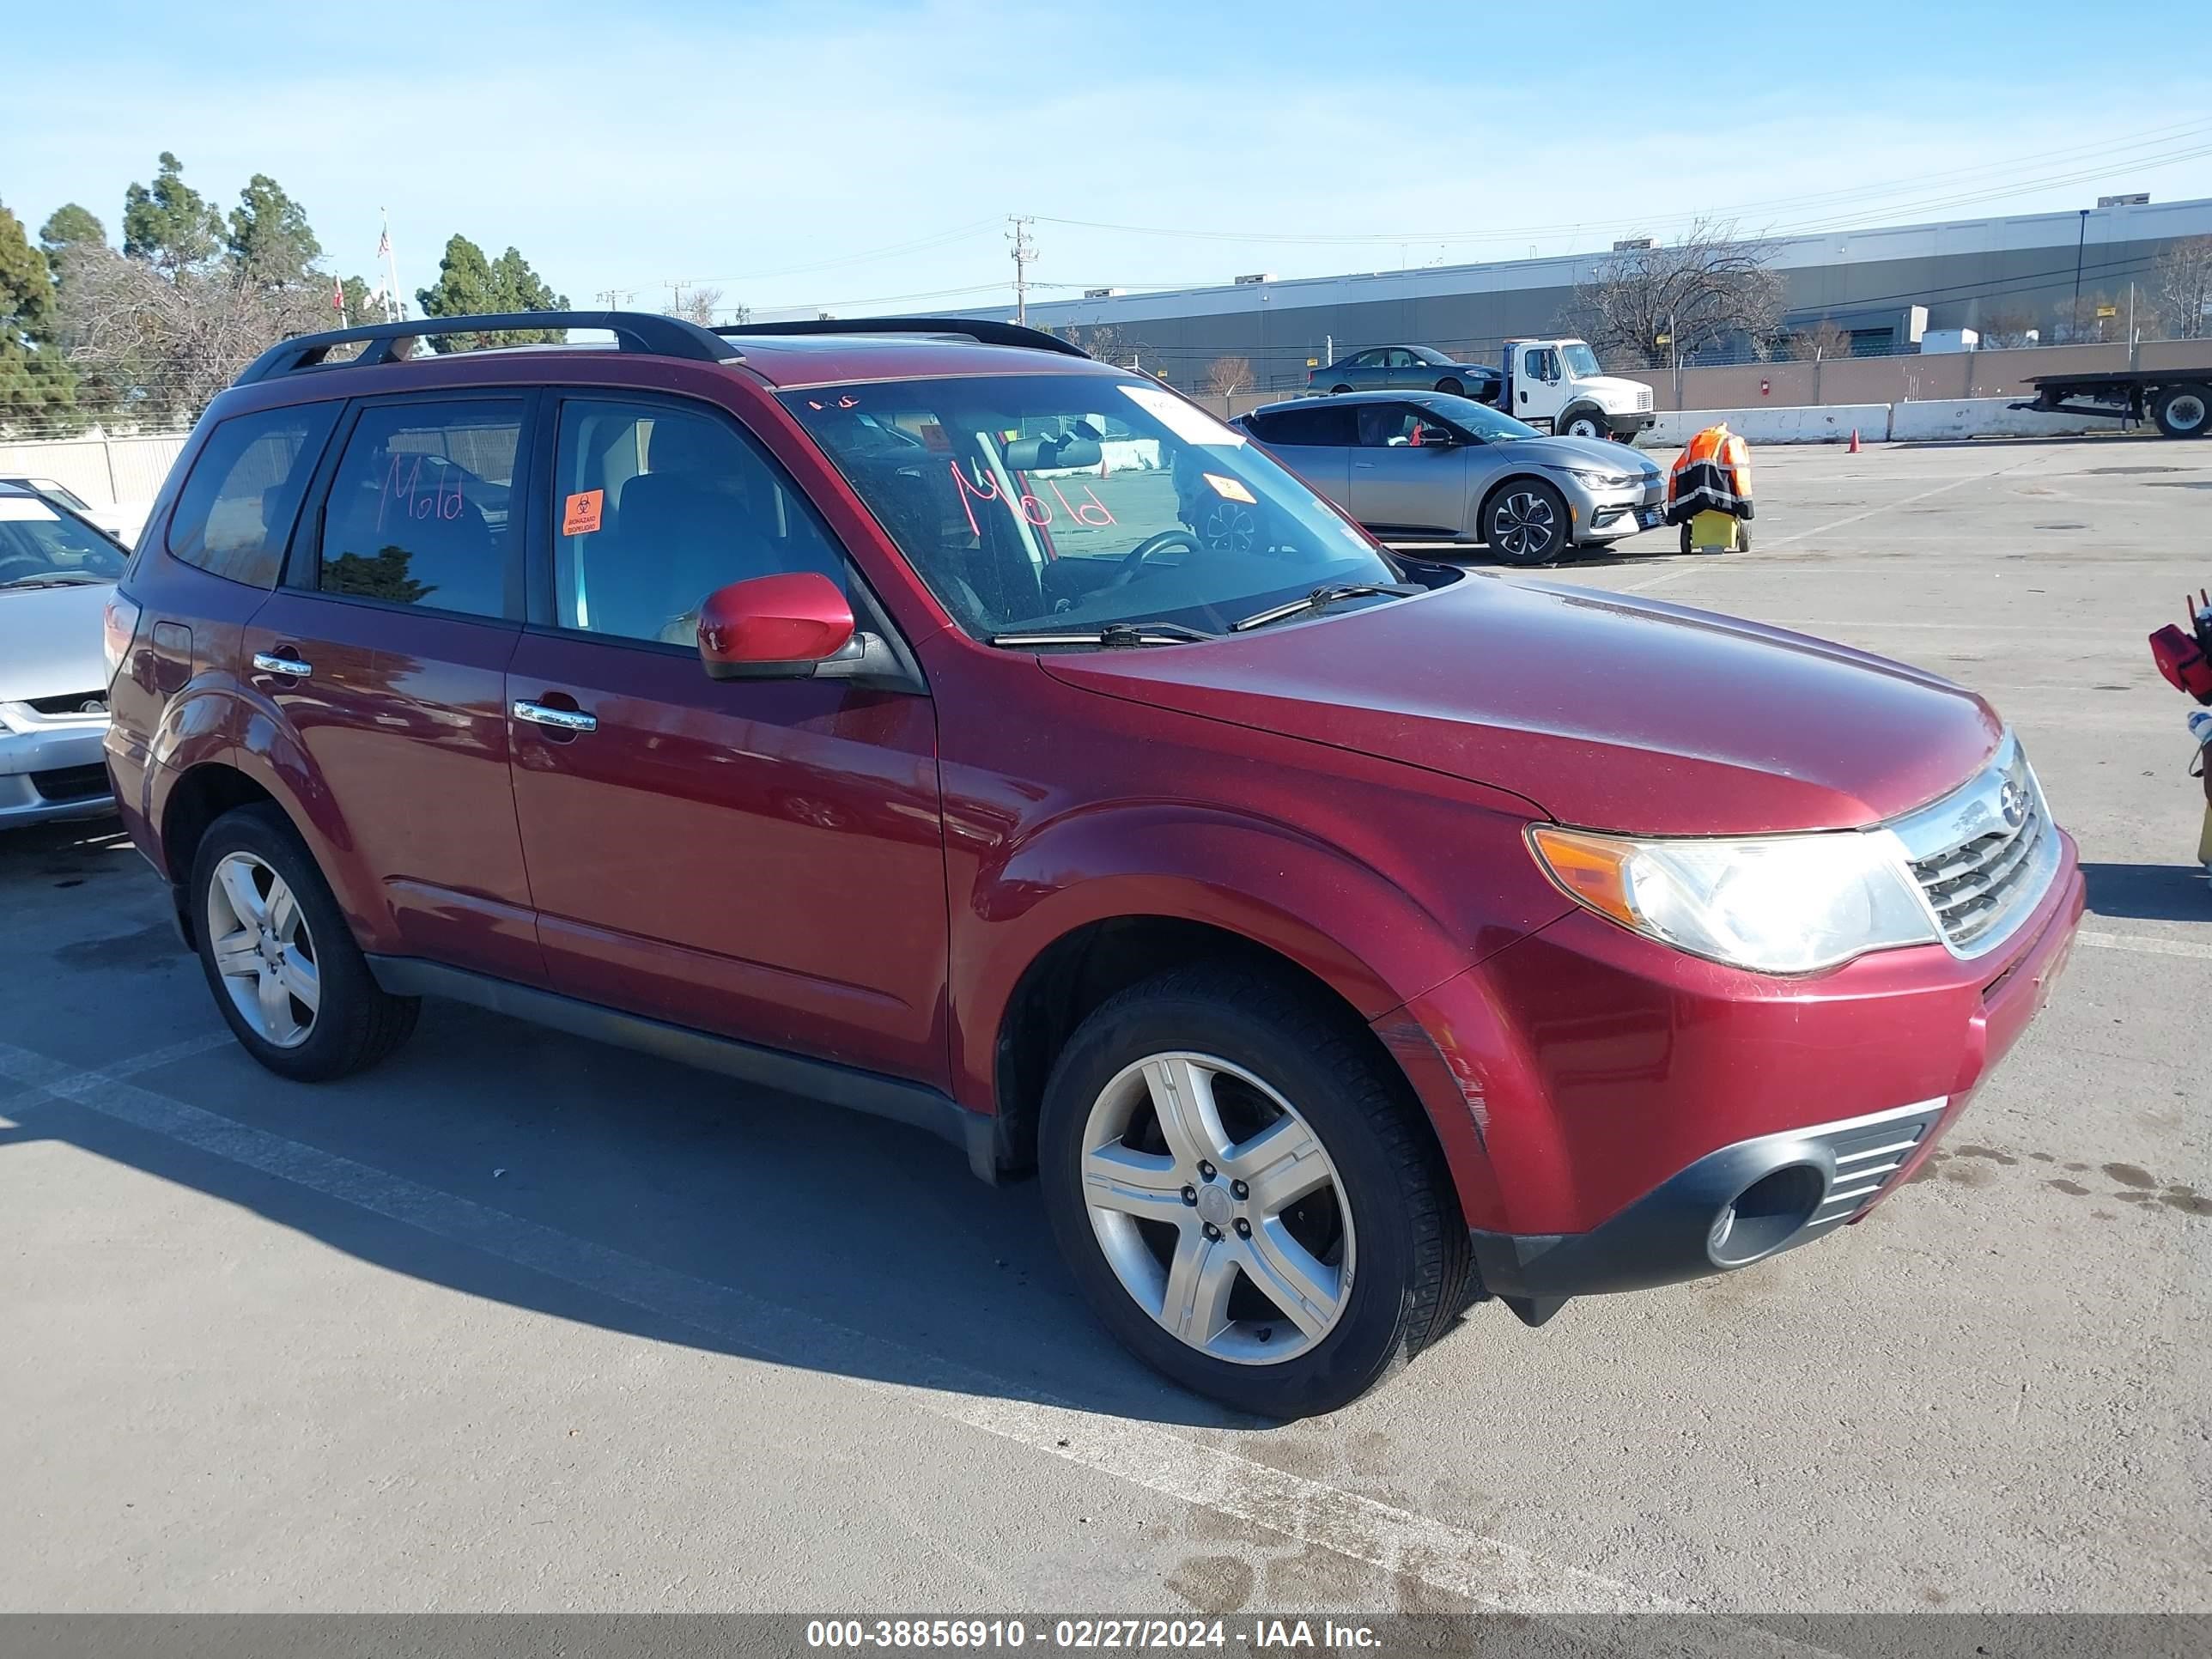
(92,705)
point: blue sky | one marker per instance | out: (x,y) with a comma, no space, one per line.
(857,155)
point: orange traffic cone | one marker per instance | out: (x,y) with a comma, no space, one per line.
(1854,449)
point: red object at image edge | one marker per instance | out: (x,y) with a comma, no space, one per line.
(797,616)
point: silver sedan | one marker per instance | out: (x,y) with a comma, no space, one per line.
(1426,467)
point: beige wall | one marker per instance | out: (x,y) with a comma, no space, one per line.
(1939,376)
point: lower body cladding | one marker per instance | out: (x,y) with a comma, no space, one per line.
(1635,1118)
(51,769)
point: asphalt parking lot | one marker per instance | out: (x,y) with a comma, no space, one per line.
(519,1323)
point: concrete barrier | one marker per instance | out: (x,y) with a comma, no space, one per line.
(1986,417)
(1818,424)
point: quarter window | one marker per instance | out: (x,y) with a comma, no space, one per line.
(656,506)
(235,513)
(420,508)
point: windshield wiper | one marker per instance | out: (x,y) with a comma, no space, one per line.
(1112,634)
(1320,599)
(55,579)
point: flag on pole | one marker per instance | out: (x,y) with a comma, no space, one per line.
(338,295)
(384,243)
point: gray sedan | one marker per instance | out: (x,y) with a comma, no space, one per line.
(1424,466)
(1415,368)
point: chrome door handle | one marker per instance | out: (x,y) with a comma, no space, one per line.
(269,663)
(566,720)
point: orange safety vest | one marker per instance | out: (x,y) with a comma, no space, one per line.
(1721,447)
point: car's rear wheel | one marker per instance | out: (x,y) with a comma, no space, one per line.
(287,975)
(1338,388)
(2184,412)
(1244,1195)
(1526,522)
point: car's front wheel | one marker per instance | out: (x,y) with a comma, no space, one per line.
(283,964)
(1245,1197)
(1526,522)
(1586,424)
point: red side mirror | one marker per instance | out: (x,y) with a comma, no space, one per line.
(779,626)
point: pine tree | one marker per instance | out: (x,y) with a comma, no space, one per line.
(469,285)
(35,383)
(171,225)
(269,241)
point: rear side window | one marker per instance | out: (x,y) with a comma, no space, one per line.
(235,513)
(421,507)
(1324,426)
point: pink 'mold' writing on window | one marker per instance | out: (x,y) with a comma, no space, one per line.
(1035,508)
(405,495)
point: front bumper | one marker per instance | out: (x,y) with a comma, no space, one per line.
(50,767)
(1640,1117)
(1609,514)
(1629,427)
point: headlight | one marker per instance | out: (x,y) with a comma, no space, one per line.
(1775,904)
(1596,480)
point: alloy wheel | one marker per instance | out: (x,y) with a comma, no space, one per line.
(1217,1208)
(1525,526)
(263,950)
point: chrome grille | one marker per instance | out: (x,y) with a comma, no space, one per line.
(1644,399)
(1985,855)
(1868,1154)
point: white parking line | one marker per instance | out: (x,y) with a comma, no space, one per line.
(1760,545)
(2145,944)
(1487,1572)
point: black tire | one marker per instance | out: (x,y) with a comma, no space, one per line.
(1686,535)
(1335,389)
(1598,429)
(2184,412)
(1450,387)
(356,1022)
(1412,1275)
(1516,545)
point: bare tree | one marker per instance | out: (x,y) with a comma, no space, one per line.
(2096,316)
(1107,342)
(1824,340)
(698,305)
(1226,374)
(2182,278)
(1707,288)
(2008,325)
(152,347)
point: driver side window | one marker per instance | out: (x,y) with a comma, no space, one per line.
(1396,425)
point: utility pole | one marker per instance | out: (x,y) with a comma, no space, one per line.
(1025,253)
(2080,238)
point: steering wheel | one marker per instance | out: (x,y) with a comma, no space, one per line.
(1134,561)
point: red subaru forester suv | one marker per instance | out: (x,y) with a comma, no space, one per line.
(925,717)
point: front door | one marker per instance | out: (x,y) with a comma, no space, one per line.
(386,649)
(762,859)
(1536,385)
(1407,474)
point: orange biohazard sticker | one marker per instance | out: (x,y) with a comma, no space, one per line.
(580,514)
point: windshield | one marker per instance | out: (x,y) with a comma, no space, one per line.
(1580,359)
(1070,502)
(1481,420)
(41,548)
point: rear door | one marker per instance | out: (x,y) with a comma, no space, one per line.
(385,649)
(762,859)
(1314,440)
(1402,476)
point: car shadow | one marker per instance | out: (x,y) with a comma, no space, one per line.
(497,1159)
(2147,892)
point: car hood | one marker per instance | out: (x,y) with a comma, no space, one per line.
(1612,391)
(1591,454)
(1605,712)
(51,641)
